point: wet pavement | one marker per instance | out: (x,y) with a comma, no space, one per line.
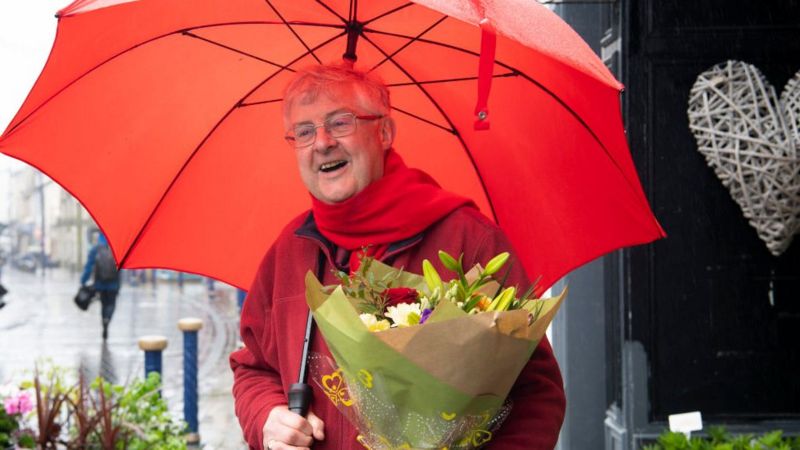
(40,322)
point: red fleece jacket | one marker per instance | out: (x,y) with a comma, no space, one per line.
(273,323)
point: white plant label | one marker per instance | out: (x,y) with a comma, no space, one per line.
(686,423)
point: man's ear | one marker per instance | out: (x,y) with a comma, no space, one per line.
(388,131)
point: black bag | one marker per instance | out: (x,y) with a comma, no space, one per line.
(84,297)
(105,268)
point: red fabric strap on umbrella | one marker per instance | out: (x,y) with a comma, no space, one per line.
(485,68)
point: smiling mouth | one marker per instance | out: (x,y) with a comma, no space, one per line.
(332,166)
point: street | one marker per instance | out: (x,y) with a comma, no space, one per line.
(41,323)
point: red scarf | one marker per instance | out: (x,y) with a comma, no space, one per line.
(401,204)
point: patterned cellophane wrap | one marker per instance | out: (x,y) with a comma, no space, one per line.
(365,402)
(439,385)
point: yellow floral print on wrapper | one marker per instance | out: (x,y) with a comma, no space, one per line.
(384,442)
(476,438)
(363,392)
(336,389)
(365,378)
(478,435)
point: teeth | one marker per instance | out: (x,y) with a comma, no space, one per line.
(330,165)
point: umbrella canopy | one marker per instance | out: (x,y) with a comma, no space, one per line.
(162,117)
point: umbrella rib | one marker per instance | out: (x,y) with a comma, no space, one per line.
(289,26)
(449,122)
(451,80)
(238,104)
(421,39)
(420,118)
(227,47)
(391,11)
(547,91)
(140,44)
(330,10)
(410,41)
(262,102)
(266,22)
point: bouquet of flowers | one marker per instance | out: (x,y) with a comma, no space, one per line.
(421,362)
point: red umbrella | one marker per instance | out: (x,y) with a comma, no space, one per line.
(163,118)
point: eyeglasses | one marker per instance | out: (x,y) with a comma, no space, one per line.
(337,126)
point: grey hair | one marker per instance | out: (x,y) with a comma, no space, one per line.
(310,82)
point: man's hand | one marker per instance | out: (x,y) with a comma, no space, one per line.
(285,430)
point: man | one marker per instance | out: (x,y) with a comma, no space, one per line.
(3,290)
(100,266)
(338,124)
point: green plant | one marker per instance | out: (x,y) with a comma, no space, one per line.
(145,407)
(50,398)
(111,431)
(8,425)
(96,415)
(135,417)
(720,439)
(83,415)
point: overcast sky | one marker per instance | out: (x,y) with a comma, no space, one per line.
(27,28)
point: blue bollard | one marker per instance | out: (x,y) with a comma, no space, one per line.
(153,346)
(190,327)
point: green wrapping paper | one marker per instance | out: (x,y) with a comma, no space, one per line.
(435,385)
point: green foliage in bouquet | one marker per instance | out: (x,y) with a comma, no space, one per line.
(473,292)
(720,439)
(466,290)
(370,291)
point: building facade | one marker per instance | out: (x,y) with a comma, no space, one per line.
(706,319)
(44,225)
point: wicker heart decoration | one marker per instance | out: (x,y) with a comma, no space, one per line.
(751,139)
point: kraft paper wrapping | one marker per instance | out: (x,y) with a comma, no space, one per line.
(454,365)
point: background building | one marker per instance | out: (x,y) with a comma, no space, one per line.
(706,319)
(43,225)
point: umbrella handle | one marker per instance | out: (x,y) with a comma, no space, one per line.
(299,398)
(300,392)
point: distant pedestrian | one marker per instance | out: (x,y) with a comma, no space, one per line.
(3,260)
(101,266)
(3,290)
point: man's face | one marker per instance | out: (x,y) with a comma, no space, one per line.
(335,169)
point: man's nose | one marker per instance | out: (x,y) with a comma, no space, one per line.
(323,139)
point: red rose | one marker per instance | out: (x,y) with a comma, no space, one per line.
(398,295)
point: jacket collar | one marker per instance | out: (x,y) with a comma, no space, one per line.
(309,230)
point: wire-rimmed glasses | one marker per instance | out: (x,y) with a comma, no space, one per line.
(337,126)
